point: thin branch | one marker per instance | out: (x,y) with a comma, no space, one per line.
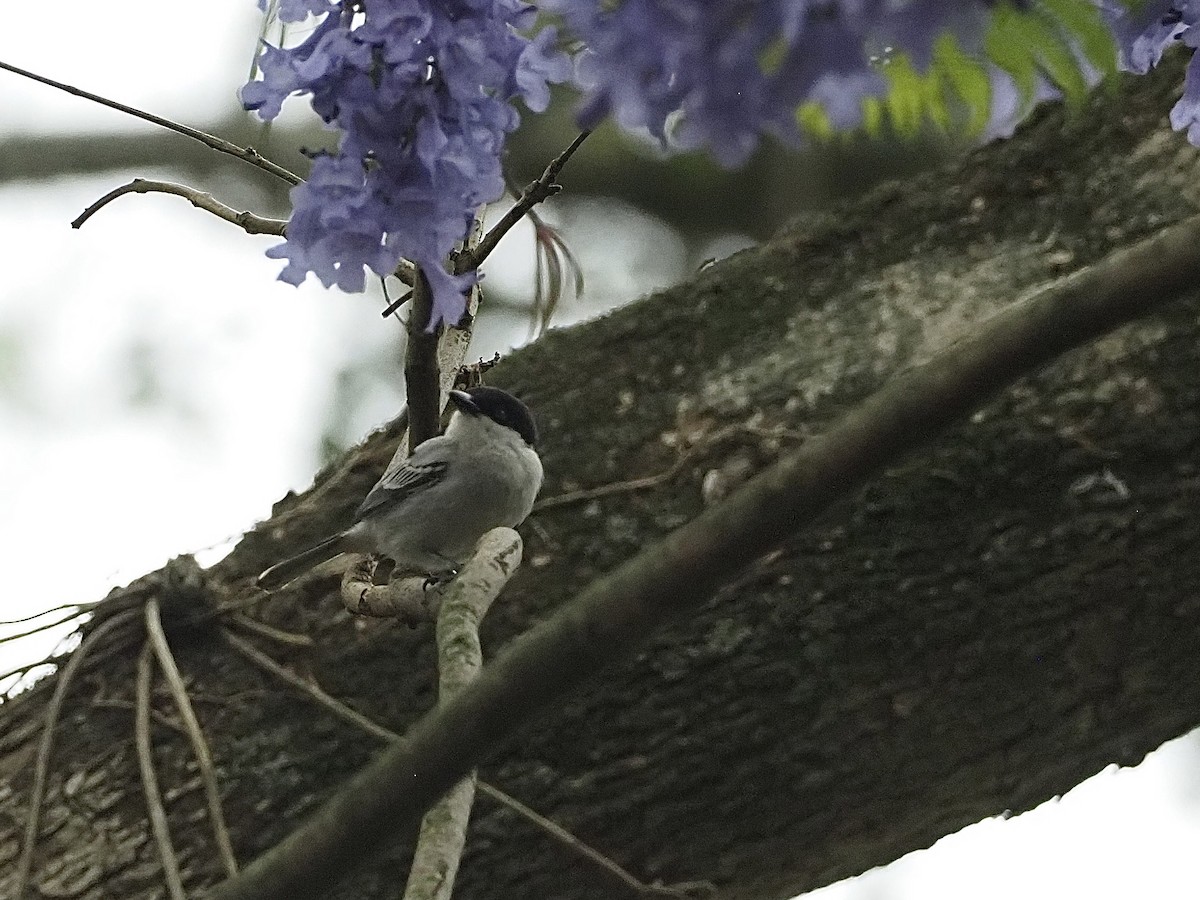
(652,481)
(613,487)
(353,717)
(187,715)
(545,186)
(162,719)
(154,803)
(78,607)
(262,629)
(336,707)
(245,154)
(42,764)
(35,629)
(421,376)
(247,221)
(588,852)
(394,305)
(443,831)
(618,611)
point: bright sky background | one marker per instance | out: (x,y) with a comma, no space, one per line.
(152,299)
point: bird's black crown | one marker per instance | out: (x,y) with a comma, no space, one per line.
(499,406)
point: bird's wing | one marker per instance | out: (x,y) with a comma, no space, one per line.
(404,478)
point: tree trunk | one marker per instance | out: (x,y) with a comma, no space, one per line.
(991,622)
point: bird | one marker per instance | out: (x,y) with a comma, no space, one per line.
(429,510)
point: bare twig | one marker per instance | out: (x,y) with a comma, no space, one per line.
(353,717)
(658,478)
(247,221)
(421,375)
(545,186)
(208,775)
(613,487)
(394,305)
(46,626)
(78,607)
(45,747)
(245,154)
(154,803)
(314,691)
(588,852)
(262,629)
(117,703)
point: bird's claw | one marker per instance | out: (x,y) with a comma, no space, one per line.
(439,579)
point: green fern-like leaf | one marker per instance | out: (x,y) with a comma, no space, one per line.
(963,80)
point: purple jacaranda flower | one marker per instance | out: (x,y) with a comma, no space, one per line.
(422,92)
(719,74)
(1144,31)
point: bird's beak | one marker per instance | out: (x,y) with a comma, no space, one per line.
(463,401)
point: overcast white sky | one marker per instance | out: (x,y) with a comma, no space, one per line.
(159,390)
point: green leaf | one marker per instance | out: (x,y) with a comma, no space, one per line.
(812,118)
(964,78)
(1082,21)
(1003,47)
(872,108)
(1044,39)
(908,97)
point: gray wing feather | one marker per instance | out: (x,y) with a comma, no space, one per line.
(425,468)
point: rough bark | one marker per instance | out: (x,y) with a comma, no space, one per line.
(995,619)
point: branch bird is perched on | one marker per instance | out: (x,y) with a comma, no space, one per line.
(429,510)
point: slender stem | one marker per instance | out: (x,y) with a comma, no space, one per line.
(545,186)
(41,767)
(262,629)
(245,154)
(421,376)
(35,629)
(460,657)
(247,221)
(77,607)
(353,717)
(309,688)
(154,803)
(208,775)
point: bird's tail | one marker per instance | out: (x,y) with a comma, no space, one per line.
(283,572)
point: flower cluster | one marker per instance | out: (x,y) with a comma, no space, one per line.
(422,92)
(719,73)
(1144,31)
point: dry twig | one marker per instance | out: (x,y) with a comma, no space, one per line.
(78,607)
(35,629)
(247,221)
(166,661)
(546,185)
(45,747)
(651,481)
(421,375)
(154,803)
(351,716)
(246,154)
(262,629)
